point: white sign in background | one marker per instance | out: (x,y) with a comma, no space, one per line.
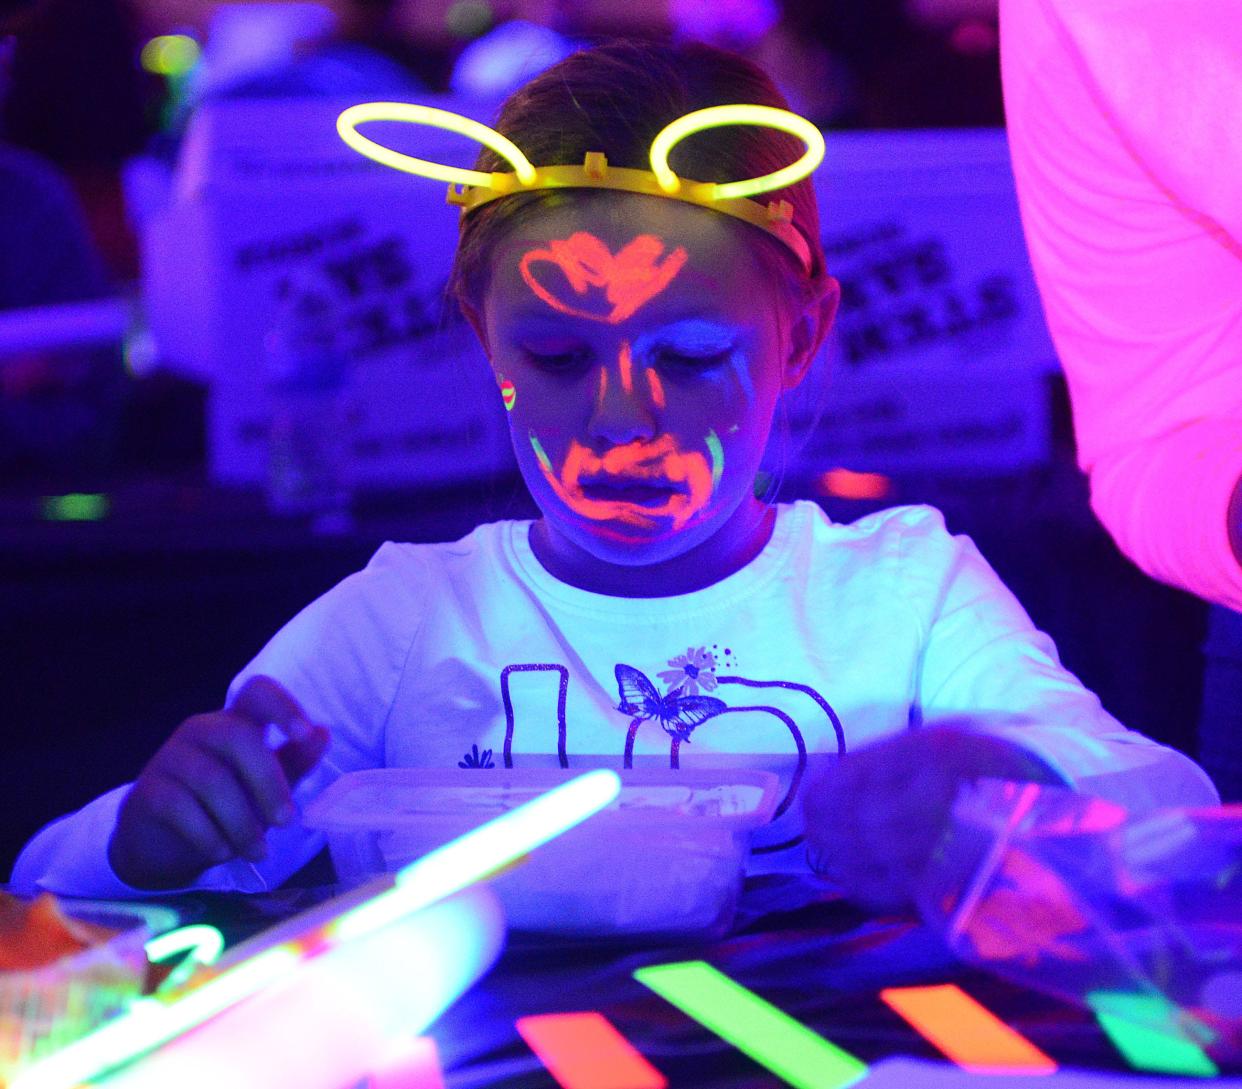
(937,363)
(939,358)
(271,207)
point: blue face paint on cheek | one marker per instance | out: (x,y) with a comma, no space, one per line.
(741,370)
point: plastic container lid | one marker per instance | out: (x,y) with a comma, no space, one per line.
(666,857)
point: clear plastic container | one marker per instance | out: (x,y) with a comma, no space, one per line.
(665,859)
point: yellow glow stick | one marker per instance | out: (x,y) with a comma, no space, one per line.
(448,869)
(742,114)
(347,122)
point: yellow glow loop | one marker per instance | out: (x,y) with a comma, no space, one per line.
(742,114)
(346,126)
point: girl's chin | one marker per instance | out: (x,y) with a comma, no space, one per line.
(628,543)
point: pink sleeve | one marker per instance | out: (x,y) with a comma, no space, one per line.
(1126,150)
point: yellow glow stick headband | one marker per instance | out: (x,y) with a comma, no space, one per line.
(471,188)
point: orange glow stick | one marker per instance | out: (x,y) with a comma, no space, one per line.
(970,1035)
(585,1051)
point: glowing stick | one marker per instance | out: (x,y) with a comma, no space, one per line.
(970,1035)
(149,1022)
(203,944)
(585,1051)
(1145,1029)
(441,119)
(772,1038)
(449,869)
(714,117)
(76,507)
(170,54)
(481,852)
(335,1019)
(415,1064)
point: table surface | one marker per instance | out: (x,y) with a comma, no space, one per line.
(795,942)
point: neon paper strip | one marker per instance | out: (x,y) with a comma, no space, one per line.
(585,1051)
(968,1033)
(755,1027)
(1145,1029)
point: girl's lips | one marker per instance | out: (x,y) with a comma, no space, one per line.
(623,490)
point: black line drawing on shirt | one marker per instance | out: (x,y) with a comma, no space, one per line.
(535,667)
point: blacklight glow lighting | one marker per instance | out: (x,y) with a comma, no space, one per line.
(755,1027)
(968,1033)
(585,1051)
(468,859)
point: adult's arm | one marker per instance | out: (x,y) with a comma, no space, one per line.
(1126,150)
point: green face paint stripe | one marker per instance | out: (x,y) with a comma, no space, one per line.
(717,452)
(544,460)
(1145,1030)
(772,1038)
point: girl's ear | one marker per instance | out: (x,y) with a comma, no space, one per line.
(810,329)
(475,317)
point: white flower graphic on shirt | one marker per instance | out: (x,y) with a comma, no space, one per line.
(694,670)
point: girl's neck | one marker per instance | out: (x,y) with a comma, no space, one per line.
(721,555)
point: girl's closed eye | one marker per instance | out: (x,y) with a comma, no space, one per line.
(690,360)
(556,358)
(689,346)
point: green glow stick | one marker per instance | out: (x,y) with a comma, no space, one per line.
(1145,1029)
(150,1022)
(201,943)
(772,1038)
(76,507)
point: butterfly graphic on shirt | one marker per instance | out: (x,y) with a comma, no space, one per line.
(678,714)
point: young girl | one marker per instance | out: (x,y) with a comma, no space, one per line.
(658,613)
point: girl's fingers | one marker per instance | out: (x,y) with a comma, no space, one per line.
(178,812)
(213,783)
(298,757)
(263,701)
(240,744)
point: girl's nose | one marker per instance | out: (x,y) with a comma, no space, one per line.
(627,402)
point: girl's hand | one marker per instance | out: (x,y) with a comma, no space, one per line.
(875,816)
(214,788)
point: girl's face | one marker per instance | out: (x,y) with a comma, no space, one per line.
(640,348)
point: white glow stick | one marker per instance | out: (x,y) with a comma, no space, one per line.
(446,870)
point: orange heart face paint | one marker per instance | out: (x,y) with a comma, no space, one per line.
(602,286)
(640,484)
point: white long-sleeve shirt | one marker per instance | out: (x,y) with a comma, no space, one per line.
(470,655)
(1127,149)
